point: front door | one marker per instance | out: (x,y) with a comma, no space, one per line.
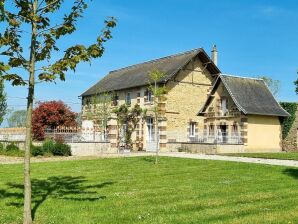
(150,137)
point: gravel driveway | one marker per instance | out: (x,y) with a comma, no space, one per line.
(292,163)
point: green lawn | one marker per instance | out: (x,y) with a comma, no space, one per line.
(280,155)
(134,190)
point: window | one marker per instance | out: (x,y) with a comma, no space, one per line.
(128,98)
(115,100)
(224,106)
(148,96)
(192,129)
(234,130)
(211,129)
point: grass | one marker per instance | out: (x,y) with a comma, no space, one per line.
(278,155)
(134,190)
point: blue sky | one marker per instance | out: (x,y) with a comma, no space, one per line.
(253,37)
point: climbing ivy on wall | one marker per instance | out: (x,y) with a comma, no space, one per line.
(287,122)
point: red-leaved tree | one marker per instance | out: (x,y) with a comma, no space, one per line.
(51,114)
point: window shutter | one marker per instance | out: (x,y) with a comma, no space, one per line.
(146,96)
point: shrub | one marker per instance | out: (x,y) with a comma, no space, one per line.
(12,147)
(48,146)
(2,148)
(288,122)
(61,149)
(37,150)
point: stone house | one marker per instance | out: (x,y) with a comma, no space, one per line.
(189,78)
(243,110)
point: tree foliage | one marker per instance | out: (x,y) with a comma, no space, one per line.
(35,22)
(100,109)
(127,121)
(287,123)
(50,115)
(3,103)
(296,84)
(17,118)
(273,85)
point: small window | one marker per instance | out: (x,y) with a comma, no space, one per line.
(128,98)
(211,129)
(148,96)
(192,129)
(115,100)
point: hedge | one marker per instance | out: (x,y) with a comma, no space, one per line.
(287,123)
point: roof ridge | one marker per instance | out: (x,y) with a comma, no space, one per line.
(242,77)
(157,59)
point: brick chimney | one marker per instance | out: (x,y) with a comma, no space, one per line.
(214,54)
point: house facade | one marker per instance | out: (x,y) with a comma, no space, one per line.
(188,78)
(243,110)
(192,81)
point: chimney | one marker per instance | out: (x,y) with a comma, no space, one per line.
(214,54)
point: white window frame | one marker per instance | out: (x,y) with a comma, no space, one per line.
(192,129)
(126,98)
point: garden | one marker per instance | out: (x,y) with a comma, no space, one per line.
(48,148)
(135,190)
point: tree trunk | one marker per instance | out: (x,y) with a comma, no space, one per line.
(156,122)
(27,180)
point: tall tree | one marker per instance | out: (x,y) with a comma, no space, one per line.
(17,119)
(35,22)
(273,85)
(3,103)
(158,92)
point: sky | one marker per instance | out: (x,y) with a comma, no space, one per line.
(253,37)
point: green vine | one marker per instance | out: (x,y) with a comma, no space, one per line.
(288,122)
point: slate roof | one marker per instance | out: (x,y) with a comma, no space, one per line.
(137,75)
(251,96)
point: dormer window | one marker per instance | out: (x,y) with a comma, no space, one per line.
(224,106)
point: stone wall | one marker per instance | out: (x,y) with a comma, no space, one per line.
(204,148)
(291,141)
(90,148)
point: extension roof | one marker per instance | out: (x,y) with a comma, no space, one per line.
(250,95)
(137,75)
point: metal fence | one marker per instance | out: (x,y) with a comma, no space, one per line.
(217,137)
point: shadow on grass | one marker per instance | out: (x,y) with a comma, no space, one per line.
(291,172)
(59,187)
(150,159)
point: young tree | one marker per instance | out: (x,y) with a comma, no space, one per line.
(51,114)
(17,119)
(158,92)
(34,22)
(3,103)
(100,110)
(273,85)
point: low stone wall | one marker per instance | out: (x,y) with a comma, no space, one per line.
(90,148)
(204,148)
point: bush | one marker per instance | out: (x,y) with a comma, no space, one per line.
(2,148)
(48,146)
(61,149)
(287,123)
(37,150)
(12,147)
